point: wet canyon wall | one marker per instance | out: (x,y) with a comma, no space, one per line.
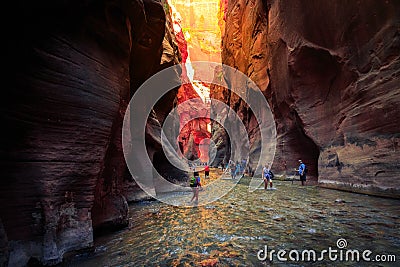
(331,73)
(71,69)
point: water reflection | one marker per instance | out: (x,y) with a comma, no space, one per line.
(230,231)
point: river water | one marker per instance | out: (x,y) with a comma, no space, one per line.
(232,230)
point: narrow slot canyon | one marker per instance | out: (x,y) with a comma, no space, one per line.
(254,85)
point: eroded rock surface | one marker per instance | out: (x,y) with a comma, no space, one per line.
(71,68)
(340,82)
(330,73)
(243,48)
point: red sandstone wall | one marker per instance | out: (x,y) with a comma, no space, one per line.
(191,131)
(330,72)
(71,67)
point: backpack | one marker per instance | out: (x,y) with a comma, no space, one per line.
(271,174)
(193,181)
(305,169)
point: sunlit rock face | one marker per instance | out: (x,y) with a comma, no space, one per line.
(198,37)
(330,73)
(194,132)
(199,20)
(71,67)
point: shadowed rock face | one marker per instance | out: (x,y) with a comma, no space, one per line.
(330,73)
(71,67)
(4,250)
(243,47)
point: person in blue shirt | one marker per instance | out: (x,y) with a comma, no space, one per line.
(237,170)
(267,178)
(302,172)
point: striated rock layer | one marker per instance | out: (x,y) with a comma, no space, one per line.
(331,73)
(71,67)
(193,119)
(244,48)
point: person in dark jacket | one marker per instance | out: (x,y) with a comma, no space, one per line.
(302,172)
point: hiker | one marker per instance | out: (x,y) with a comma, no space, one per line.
(233,170)
(243,166)
(302,172)
(207,171)
(195,184)
(267,176)
(225,168)
(228,166)
(250,170)
(237,169)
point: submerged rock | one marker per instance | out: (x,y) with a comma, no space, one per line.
(278,218)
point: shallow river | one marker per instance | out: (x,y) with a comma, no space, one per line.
(232,230)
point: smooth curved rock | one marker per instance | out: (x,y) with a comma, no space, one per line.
(330,73)
(337,70)
(71,67)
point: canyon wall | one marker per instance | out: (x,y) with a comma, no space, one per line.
(71,67)
(190,34)
(244,48)
(337,73)
(330,72)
